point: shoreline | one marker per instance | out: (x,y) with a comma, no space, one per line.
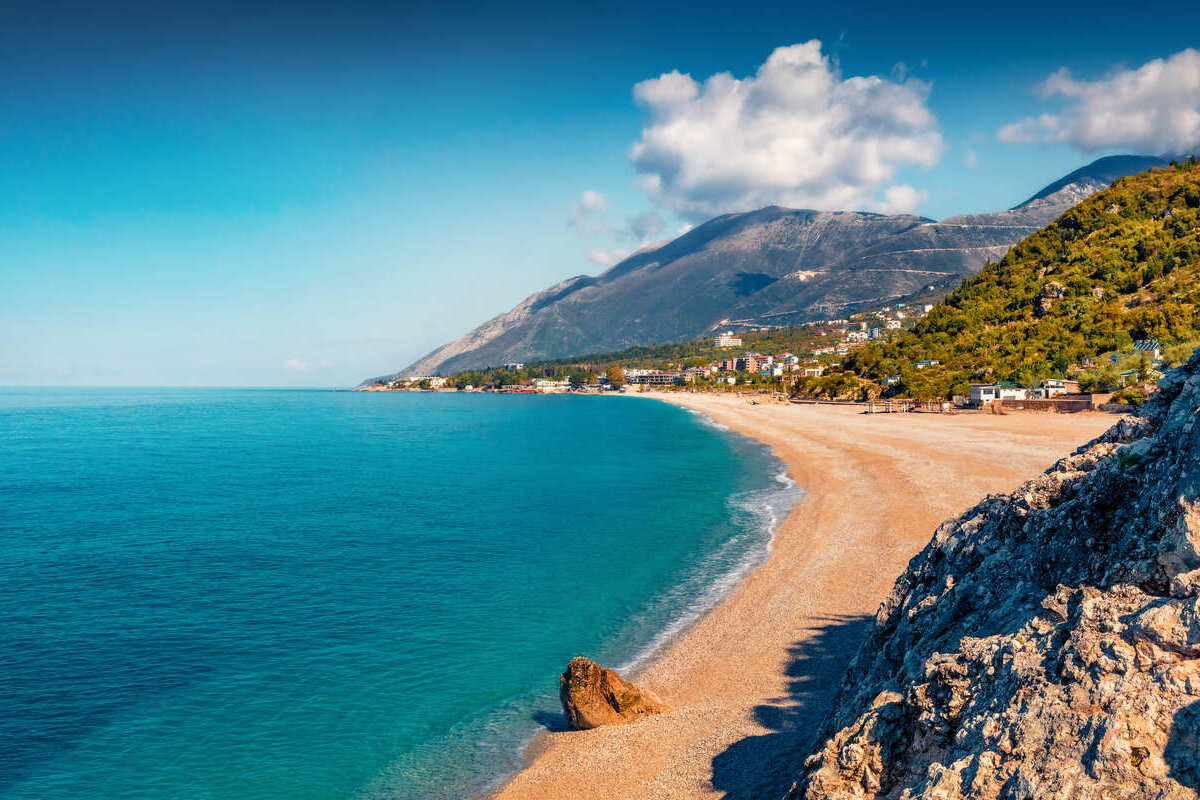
(749,679)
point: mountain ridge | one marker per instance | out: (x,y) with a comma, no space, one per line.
(1116,268)
(773,265)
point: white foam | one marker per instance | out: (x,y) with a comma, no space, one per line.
(769,505)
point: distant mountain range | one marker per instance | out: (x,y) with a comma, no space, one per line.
(772,266)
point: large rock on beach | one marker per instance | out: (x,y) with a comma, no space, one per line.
(593,695)
(1045,644)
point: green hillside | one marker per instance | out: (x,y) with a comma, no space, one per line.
(1122,266)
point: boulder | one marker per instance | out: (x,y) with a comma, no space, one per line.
(593,695)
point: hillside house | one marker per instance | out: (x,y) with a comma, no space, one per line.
(727,339)
(1150,348)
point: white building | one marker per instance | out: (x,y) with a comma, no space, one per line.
(1053,387)
(727,339)
(552,385)
(982,393)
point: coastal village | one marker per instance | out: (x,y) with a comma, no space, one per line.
(740,367)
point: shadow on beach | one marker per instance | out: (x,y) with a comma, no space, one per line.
(765,766)
(552,721)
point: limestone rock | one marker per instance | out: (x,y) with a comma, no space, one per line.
(1046,643)
(593,695)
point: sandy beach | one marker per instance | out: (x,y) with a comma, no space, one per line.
(749,683)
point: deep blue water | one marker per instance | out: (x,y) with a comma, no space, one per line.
(304,594)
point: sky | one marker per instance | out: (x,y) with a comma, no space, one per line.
(303,194)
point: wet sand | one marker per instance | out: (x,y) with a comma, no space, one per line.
(750,682)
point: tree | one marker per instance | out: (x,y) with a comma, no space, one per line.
(616,376)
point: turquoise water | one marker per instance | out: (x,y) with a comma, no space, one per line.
(302,594)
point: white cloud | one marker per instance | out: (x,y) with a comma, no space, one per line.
(1154,108)
(585,215)
(971,159)
(606,258)
(1045,127)
(901,200)
(795,133)
(296,364)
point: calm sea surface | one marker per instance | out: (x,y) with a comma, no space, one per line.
(253,595)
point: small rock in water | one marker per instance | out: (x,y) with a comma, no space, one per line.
(593,695)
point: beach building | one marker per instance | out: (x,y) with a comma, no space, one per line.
(514,365)
(927,362)
(812,371)
(727,339)
(1054,387)
(552,385)
(983,393)
(655,378)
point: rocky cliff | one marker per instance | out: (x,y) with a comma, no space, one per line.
(1046,643)
(770,266)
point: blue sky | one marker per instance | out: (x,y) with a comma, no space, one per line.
(301,194)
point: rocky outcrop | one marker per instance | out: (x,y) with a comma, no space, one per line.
(1046,643)
(593,695)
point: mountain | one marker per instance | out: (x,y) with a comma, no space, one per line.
(1121,266)
(770,266)
(1044,644)
(1098,175)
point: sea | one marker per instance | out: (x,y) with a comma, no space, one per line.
(220,594)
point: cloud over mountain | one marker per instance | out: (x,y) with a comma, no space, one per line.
(587,211)
(1154,108)
(795,133)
